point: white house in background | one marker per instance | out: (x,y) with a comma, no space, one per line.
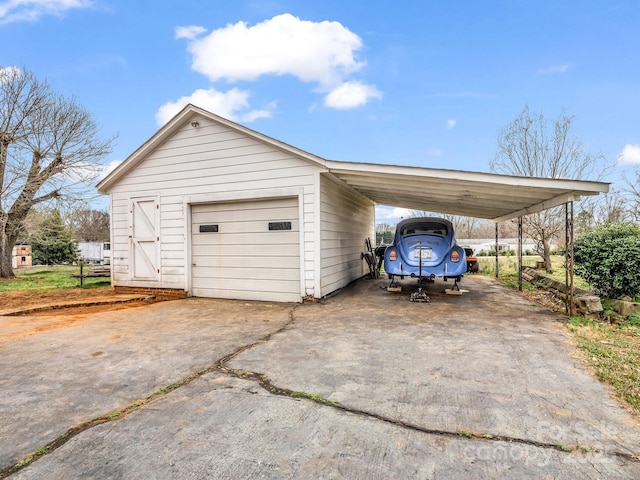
(95,252)
(210,208)
(487,245)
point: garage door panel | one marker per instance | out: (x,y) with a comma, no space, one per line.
(258,238)
(273,203)
(264,214)
(239,284)
(241,255)
(257,262)
(271,251)
(249,294)
(207,274)
(252,229)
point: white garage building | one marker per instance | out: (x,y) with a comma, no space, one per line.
(207,207)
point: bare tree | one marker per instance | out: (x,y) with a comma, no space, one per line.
(607,209)
(532,146)
(49,148)
(88,225)
(633,192)
(465,227)
(612,208)
(383,227)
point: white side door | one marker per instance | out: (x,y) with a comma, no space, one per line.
(144,238)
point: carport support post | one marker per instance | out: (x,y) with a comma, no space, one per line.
(568,257)
(497,259)
(520,254)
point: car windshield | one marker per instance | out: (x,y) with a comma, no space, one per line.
(424,228)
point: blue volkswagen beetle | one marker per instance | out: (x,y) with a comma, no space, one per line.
(425,248)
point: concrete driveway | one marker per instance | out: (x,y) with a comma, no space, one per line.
(363,385)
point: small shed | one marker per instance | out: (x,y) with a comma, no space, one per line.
(21,256)
(207,207)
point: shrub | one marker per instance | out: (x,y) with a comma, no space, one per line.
(608,258)
(634,319)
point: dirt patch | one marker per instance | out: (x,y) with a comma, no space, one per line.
(84,310)
(28,313)
(19,300)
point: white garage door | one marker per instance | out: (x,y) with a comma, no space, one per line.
(246,250)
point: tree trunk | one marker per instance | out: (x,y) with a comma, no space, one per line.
(6,251)
(546,255)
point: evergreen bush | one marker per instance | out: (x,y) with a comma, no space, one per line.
(608,258)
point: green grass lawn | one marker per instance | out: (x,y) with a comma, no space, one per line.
(46,279)
(613,353)
(508,269)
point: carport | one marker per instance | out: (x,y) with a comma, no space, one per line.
(472,194)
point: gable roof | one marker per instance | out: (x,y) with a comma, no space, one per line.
(186,115)
(473,194)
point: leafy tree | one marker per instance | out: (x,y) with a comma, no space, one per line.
(53,244)
(608,258)
(532,146)
(49,148)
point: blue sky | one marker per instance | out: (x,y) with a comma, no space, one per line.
(421,83)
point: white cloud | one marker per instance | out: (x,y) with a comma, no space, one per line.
(434,152)
(190,32)
(451,123)
(564,68)
(6,73)
(391,214)
(351,95)
(230,104)
(108,168)
(630,154)
(31,10)
(321,53)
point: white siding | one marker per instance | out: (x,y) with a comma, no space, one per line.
(347,219)
(200,162)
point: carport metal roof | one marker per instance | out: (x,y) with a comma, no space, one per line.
(472,194)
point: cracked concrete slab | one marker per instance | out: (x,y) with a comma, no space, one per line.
(223,427)
(504,366)
(481,385)
(56,379)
